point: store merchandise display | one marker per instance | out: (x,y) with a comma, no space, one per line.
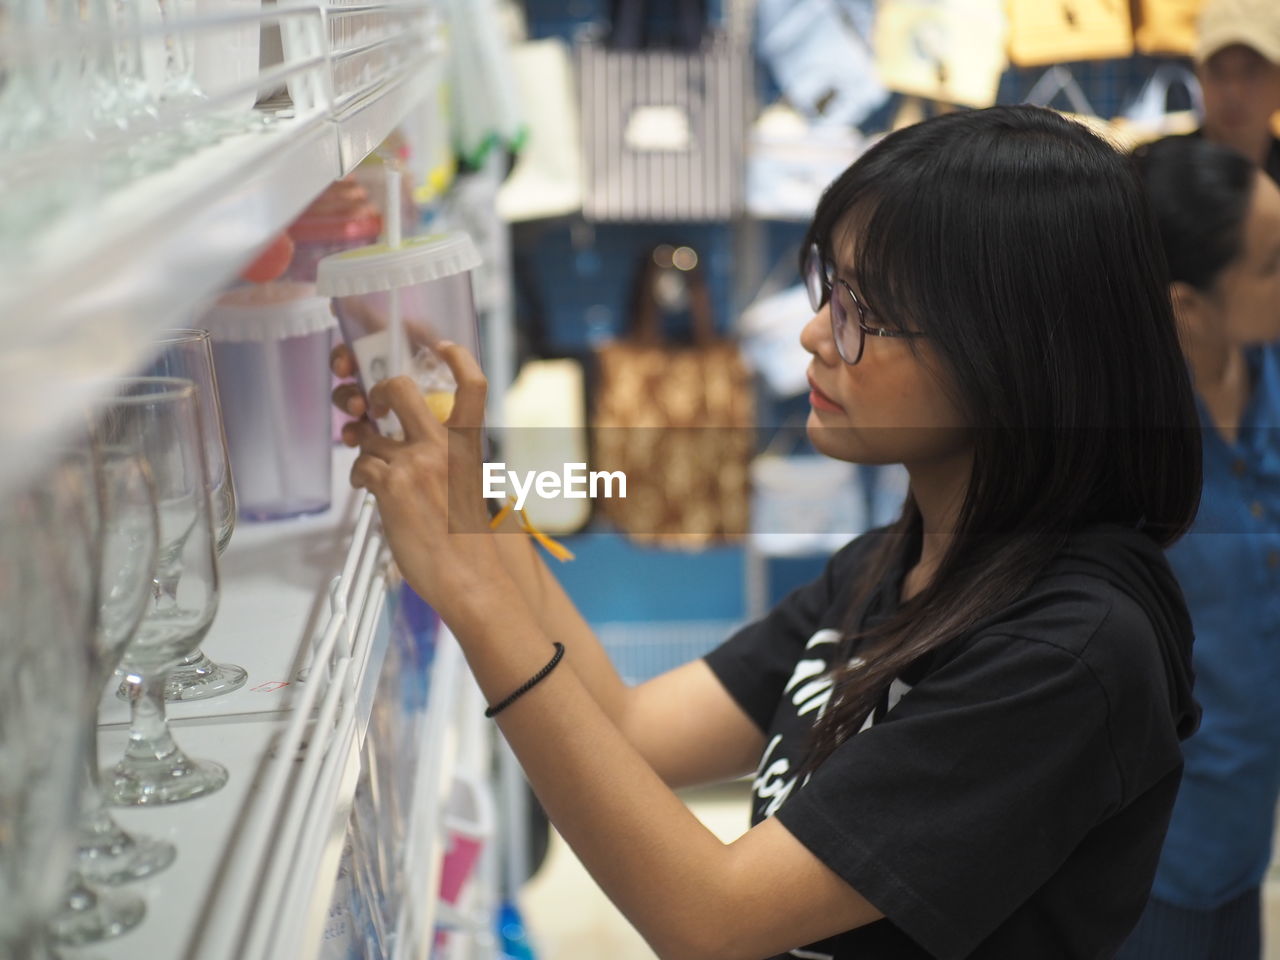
(125,85)
(182,605)
(49,568)
(127,528)
(188,355)
(395,302)
(342,218)
(271,346)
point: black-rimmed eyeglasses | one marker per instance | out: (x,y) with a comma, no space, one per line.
(820,280)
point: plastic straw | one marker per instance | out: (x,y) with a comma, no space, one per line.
(398,359)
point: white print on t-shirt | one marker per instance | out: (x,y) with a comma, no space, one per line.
(810,692)
(816,694)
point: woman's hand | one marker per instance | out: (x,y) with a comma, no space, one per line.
(428,488)
(347,397)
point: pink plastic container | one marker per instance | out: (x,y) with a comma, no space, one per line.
(469,826)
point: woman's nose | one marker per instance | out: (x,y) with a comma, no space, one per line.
(816,337)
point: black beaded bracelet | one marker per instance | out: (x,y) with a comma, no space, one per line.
(528,685)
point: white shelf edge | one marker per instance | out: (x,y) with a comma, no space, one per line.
(424,839)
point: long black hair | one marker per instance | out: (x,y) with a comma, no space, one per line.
(1023,246)
(1200,192)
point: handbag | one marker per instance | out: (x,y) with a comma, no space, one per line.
(547,178)
(1059,81)
(1060,31)
(1167,26)
(544,430)
(948,50)
(1149,117)
(663,130)
(790,162)
(823,66)
(803,503)
(676,419)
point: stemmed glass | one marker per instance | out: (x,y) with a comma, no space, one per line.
(107,852)
(188,354)
(48,599)
(164,412)
(126,527)
(181,88)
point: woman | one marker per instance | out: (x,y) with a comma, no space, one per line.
(966,732)
(1219,219)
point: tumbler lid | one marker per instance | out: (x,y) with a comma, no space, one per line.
(379,267)
(260,312)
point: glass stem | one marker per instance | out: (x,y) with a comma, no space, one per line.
(149,737)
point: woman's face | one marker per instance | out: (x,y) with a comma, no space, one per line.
(1247,291)
(891,407)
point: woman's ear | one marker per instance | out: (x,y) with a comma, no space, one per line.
(1192,310)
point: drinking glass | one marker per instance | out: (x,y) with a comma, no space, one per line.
(123,526)
(189,354)
(48,599)
(182,91)
(108,854)
(183,598)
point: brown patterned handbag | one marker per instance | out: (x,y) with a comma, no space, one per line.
(677,419)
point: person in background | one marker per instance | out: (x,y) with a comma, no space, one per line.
(1219,220)
(1238,62)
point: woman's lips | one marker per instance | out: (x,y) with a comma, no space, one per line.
(821,401)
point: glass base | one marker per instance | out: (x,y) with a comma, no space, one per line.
(202,680)
(88,916)
(120,857)
(133,783)
(268,512)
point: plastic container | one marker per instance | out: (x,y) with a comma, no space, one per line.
(227,57)
(343,217)
(271,349)
(425,283)
(468,823)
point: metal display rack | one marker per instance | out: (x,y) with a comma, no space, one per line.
(304,603)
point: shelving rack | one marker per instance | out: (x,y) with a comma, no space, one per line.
(307,606)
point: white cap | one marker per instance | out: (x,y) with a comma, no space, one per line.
(379,267)
(1250,23)
(260,312)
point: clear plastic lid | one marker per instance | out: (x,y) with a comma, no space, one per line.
(261,312)
(379,267)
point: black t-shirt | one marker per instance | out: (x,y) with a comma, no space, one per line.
(1010,796)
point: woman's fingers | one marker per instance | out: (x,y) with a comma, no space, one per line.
(349,398)
(341,362)
(468,402)
(372,443)
(402,396)
(369,473)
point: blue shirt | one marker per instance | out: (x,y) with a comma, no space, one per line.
(1219,842)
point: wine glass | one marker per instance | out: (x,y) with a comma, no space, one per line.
(124,528)
(108,854)
(48,600)
(188,354)
(184,594)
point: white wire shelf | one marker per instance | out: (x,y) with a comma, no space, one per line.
(257,860)
(84,288)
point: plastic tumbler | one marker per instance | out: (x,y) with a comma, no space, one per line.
(271,348)
(394,305)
